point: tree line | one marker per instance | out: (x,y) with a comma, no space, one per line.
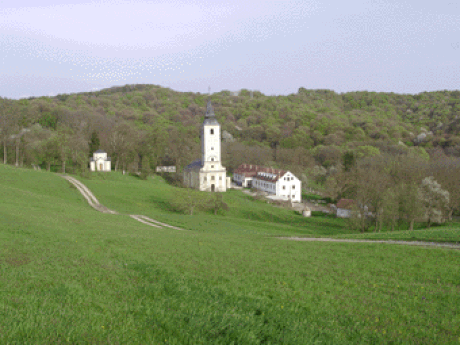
(326,139)
(395,190)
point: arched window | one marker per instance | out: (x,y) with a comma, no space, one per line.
(212,131)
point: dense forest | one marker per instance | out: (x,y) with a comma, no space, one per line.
(314,133)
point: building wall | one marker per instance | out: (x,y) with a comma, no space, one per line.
(203,180)
(218,179)
(102,155)
(211,143)
(289,185)
(100,158)
(343,213)
(192,179)
(240,179)
(266,186)
(292,185)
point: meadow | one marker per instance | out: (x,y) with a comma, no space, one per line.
(69,274)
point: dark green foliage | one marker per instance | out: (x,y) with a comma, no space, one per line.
(145,169)
(348,160)
(94,143)
(303,120)
(48,120)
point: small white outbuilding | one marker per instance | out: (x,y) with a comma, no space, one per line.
(100,161)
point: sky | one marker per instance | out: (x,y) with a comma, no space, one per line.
(50,47)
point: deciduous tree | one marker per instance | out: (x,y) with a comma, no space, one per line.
(435,200)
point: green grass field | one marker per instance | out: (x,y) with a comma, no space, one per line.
(153,198)
(69,274)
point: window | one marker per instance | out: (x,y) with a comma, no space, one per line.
(212,159)
(204,179)
(284,187)
(212,131)
(212,178)
(212,166)
(293,186)
(212,148)
(220,178)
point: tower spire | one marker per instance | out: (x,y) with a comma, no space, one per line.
(209,109)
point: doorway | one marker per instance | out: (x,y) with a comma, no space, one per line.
(100,167)
(213,188)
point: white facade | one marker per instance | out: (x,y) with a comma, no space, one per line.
(343,213)
(242,180)
(207,173)
(287,185)
(100,162)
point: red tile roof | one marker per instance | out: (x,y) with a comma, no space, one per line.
(249,170)
(345,203)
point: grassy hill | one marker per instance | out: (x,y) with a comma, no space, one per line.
(157,199)
(69,274)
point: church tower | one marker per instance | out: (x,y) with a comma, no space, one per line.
(208,174)
(210,140)
(214,175)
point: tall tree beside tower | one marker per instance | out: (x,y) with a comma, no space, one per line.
(94,143)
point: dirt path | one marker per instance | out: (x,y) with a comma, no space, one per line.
(89,196)
(94,203)
(411,243)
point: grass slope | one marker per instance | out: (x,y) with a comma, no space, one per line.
(154,198)
(69,274)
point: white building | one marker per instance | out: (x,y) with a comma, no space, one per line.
(345,208)
(244,174)
(207,173)
(277,182)
(100,161)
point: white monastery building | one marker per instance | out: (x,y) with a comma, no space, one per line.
(278,182)
(208,174)
(100,161)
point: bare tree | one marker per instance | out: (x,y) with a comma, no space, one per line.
(8,124)
(390,207)
(121,144)
(49,149)
(63,140)
(411,203)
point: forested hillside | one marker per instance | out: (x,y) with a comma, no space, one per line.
(376,148)
(311,127)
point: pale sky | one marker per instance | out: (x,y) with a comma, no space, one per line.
(275,46)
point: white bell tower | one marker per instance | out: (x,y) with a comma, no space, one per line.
(210,140)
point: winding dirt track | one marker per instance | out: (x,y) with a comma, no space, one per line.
(410,243)
(94,203)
